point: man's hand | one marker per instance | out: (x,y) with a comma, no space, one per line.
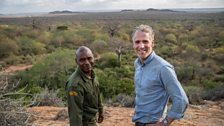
(160,123)
(100,118)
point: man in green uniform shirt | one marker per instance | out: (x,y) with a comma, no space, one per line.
(83,92)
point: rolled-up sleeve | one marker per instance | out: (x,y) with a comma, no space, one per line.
(175,92)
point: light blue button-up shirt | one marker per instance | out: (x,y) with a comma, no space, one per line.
(155,83)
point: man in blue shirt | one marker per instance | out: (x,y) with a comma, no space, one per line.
(155,83)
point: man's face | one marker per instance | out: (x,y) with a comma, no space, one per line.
(143,44)
(85,60)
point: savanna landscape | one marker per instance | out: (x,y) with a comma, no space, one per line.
(37,57)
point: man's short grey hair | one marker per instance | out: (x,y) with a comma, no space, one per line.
(144,28)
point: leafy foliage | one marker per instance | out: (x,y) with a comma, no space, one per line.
(108,59)
(193,43)
(111,84)
(8,48)
(49,71)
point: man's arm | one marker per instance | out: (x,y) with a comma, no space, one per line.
(100,108)
(176,93)
(75,102)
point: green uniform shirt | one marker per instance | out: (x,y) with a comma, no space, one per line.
(83,98)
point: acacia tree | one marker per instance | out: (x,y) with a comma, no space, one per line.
(112,28)
(119,45)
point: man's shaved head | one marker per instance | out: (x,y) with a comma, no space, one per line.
(82,49)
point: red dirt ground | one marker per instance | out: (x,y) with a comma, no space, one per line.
(210,114)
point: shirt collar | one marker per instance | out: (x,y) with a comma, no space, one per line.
(84,76)
(148,60)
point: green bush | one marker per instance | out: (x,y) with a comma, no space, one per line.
(184,73)
(165,51)
(12,60)
(209,84)
(101,36)
(194,94)
(49,71)
(86,34)
(62,27)
(108,59)
(205,72)
(8,48)
(58,39)
(30,46)
(125,71)
(183,38)
(192,49)
(99,46)
(171,38)
(216,93)
(68,39)
(111,84)
(219,58)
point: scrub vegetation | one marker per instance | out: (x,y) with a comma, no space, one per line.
(192,42)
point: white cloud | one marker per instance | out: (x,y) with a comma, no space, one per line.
(18,6)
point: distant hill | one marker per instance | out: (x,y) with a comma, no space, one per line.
(125,10)
(63,12)
(201,10)
(164,10)
(150,9)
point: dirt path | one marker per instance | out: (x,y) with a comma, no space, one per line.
(17,68)
(210,114)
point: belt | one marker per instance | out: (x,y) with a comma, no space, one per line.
(143,124)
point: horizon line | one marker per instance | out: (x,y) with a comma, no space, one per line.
(109,10)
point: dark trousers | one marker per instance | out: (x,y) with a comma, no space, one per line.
(142,124)
(139,124)
(90,122)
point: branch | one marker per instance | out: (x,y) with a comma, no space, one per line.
(8,94)
(13,112)
(22,88)
(15,85)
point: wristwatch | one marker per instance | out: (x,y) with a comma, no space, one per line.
(165,122)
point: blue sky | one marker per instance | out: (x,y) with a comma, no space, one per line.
(30,6)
